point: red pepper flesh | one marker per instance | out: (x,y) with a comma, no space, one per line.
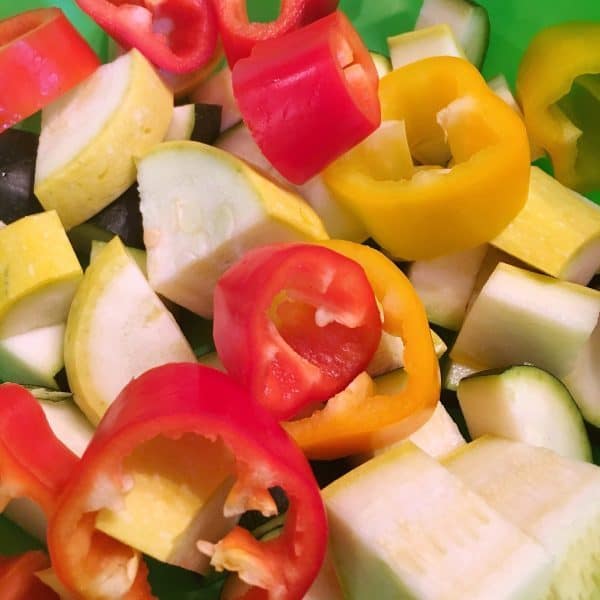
(295,324)
(308,96)
(239,35)
(180,399)
(178,36)
(41,57)
(18,580)
(33,463)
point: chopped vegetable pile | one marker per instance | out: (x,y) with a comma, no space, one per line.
(298,307)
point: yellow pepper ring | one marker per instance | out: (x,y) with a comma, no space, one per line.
(556,57)
(446,105)
(353,425)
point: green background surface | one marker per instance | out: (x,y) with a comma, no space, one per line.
(513,24)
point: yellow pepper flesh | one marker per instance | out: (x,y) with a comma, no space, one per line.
(448,111)
(558,86)
(353,424)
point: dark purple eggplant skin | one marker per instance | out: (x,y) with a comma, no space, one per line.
(18,151)
(207,127)
(123,218)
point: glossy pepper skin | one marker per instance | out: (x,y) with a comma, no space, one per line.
(351,424)
(308,96)
(440,210)
(18,580)
(34,464)
(560,59)
(41,57)
(239,35)
(179,36)
(170,401)
(295,324)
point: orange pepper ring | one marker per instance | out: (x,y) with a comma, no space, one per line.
(348,425)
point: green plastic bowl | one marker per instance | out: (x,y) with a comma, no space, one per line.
(513,24)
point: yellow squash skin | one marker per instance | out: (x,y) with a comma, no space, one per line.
(102,167)
(39,274)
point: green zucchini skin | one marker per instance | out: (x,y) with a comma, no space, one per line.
(525,404)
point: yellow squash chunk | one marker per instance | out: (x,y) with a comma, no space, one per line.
(402,526)
(520,317)
(34,357)
(91,136)
(40,274)
(339,221)
(138,255)
(445,284)
(553,499)
(202,209)
(557,231)
(436,40)
(179,488)
(117,329)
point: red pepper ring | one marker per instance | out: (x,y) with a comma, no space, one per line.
(33,463)
(171,401)
(295,324)
(41,57)
(308,96)
(179,36)
(239,35)
(18,579)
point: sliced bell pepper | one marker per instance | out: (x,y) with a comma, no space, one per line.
(184,84)
(449,111)
(239,35)
(295,324)
(18,580)
(41,57)
(36,465)
(355,423)
(179,36)
(181,84)
(172,401)
(308,96)
(558,86)
(33,462)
